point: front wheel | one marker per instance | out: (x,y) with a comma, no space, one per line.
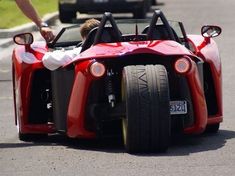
(145,92)
(212,128)
(31,137)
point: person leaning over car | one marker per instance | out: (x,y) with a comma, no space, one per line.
(55,59)
(27,8)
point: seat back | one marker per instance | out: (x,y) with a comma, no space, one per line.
(89,39)
(159,32)
(108,35)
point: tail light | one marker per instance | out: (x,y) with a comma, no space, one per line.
(97,69)
(182,65)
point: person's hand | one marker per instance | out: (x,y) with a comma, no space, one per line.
(47,33)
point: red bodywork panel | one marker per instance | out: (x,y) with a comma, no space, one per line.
(109,50)
(208,51)
(23,73)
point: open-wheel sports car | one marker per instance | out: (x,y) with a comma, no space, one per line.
(141,79)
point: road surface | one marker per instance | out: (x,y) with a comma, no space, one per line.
(196,156)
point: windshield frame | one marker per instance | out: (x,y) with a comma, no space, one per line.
(135,30)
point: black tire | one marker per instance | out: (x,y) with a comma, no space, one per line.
(145,92)
(22,137)
(66,16)
(31,137)
(154,2)
(212,128)
(140,13)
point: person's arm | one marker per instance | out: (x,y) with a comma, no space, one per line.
(27,8)
(29,11)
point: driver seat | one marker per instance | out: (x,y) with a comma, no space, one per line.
(108,35)
(89,40)
(160,33)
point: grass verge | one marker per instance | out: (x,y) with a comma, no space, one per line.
(11,16)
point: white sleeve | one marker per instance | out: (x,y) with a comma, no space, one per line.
(58,58)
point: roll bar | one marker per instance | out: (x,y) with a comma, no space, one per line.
(159,14)
(107,17)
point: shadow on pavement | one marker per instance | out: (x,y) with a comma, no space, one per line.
(180,144)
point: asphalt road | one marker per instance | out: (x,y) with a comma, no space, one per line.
(196,155)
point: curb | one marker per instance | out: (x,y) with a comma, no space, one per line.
(6,35)
(4,43)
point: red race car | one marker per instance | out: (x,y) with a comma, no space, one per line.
(142,79)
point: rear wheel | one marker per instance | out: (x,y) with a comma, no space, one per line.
(140,13)
(212,128)
(145,92)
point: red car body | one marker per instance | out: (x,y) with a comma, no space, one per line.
(207,111)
